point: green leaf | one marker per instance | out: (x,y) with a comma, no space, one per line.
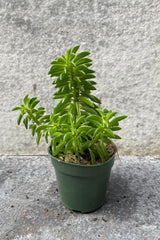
(109,132)
(88,64)
(75,49)
(31,100)
(85,69)
(59,60)
(97,132)
(52,131)
(65,90)
(67,136)
(33,127)
(103,150)
(64,118)
(19,119)
(93,98)
(78,108)
(16,108)
(42,127)
(68,54)
(86,145)
(80,74)
(46,136)
(45,119)
(57,96)
(116,136)
(86,101)
(56,73)
(83,128)
(68,146)
(60,107)
(115,121)
(81,55)
(25,121)
(38,137)
(26,99)
(93,82)
(39,114)
(110,114)
(115,128)
(75,145)
(56,68)
(100,110)
(34,104)
(95,118)
(89,76)
(33,130)
(83,61)
(79,120)
(54,117)
(59,147)
(87,85)
(71,57)
(106,140)
(92,156)
(88,109)
(100,152)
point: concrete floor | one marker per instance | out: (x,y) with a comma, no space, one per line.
(31,208)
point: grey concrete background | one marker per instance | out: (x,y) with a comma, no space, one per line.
(31,208)
(124,39)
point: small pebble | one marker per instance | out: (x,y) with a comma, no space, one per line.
(94,219)
(105,220)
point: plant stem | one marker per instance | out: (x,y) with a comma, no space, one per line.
(75,91)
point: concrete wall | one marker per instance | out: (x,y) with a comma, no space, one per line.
(124,39)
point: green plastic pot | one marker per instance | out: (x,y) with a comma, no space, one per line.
(82,187)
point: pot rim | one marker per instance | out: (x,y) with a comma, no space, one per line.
(82,165)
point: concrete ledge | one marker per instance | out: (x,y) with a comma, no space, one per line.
(31,207)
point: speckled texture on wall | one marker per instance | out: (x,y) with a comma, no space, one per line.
(124,39)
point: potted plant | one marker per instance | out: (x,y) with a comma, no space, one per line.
(80,132)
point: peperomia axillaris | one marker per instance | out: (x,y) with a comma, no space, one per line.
(77,124)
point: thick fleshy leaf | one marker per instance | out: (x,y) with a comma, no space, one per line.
(83,128)
(19,119)
(115,121)
(34,103)
(79,120)
(75,49)
(95,118)
(38,137)
(81,55)
(26,99)
(85,69)
(109,132)
(25,121)
(42,127)
(92,156)
(83,61)
(93,98)
(16,108)
(86,101)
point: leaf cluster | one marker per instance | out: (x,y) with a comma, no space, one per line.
(76,124)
